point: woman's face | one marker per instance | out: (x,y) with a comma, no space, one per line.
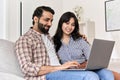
(68,27)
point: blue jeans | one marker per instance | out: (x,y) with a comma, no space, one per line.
(102,74)
(72,75)
(105,74)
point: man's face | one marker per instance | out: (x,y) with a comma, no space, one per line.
(45,22)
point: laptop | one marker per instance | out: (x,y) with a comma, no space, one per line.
(100,55)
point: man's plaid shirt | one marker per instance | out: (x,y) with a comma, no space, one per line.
(32,54)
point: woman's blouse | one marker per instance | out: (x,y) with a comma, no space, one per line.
(78,50)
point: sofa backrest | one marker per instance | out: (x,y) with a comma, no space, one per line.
(8,59)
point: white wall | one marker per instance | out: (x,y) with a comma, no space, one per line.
(12,29)
(99,18)
(13,15)
(29,7)
(2,19)
(93,10)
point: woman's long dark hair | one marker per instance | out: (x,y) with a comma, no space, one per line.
(59,33)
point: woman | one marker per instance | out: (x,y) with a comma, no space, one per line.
(70,46)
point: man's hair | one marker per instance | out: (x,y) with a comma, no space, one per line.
(39,10)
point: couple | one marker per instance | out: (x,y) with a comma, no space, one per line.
(37,56)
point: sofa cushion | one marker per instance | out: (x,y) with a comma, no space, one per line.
(8,59)
(7,76)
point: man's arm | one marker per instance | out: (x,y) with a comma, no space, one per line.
(48,69)
(24,52)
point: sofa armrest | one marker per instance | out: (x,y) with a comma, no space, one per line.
(8,76)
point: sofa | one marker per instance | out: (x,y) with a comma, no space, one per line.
(9,65)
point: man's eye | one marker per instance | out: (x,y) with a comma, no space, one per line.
(51,20)
(46,20)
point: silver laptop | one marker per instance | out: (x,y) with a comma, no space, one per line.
(100,54)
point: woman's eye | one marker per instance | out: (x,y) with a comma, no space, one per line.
(67,22)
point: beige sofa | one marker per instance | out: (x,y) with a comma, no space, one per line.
(9,66)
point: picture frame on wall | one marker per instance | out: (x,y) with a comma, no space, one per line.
(112,15)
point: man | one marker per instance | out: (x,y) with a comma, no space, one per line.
(36,54)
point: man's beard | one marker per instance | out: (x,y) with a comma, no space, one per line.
(41,27)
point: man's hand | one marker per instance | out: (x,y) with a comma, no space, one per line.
(83,65)
(84,37)
(48,69)
(70,64)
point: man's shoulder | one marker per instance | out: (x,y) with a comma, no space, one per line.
(26,36)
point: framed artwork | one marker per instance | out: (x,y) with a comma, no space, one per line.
(112,15)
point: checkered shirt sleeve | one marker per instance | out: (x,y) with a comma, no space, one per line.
(24,51)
